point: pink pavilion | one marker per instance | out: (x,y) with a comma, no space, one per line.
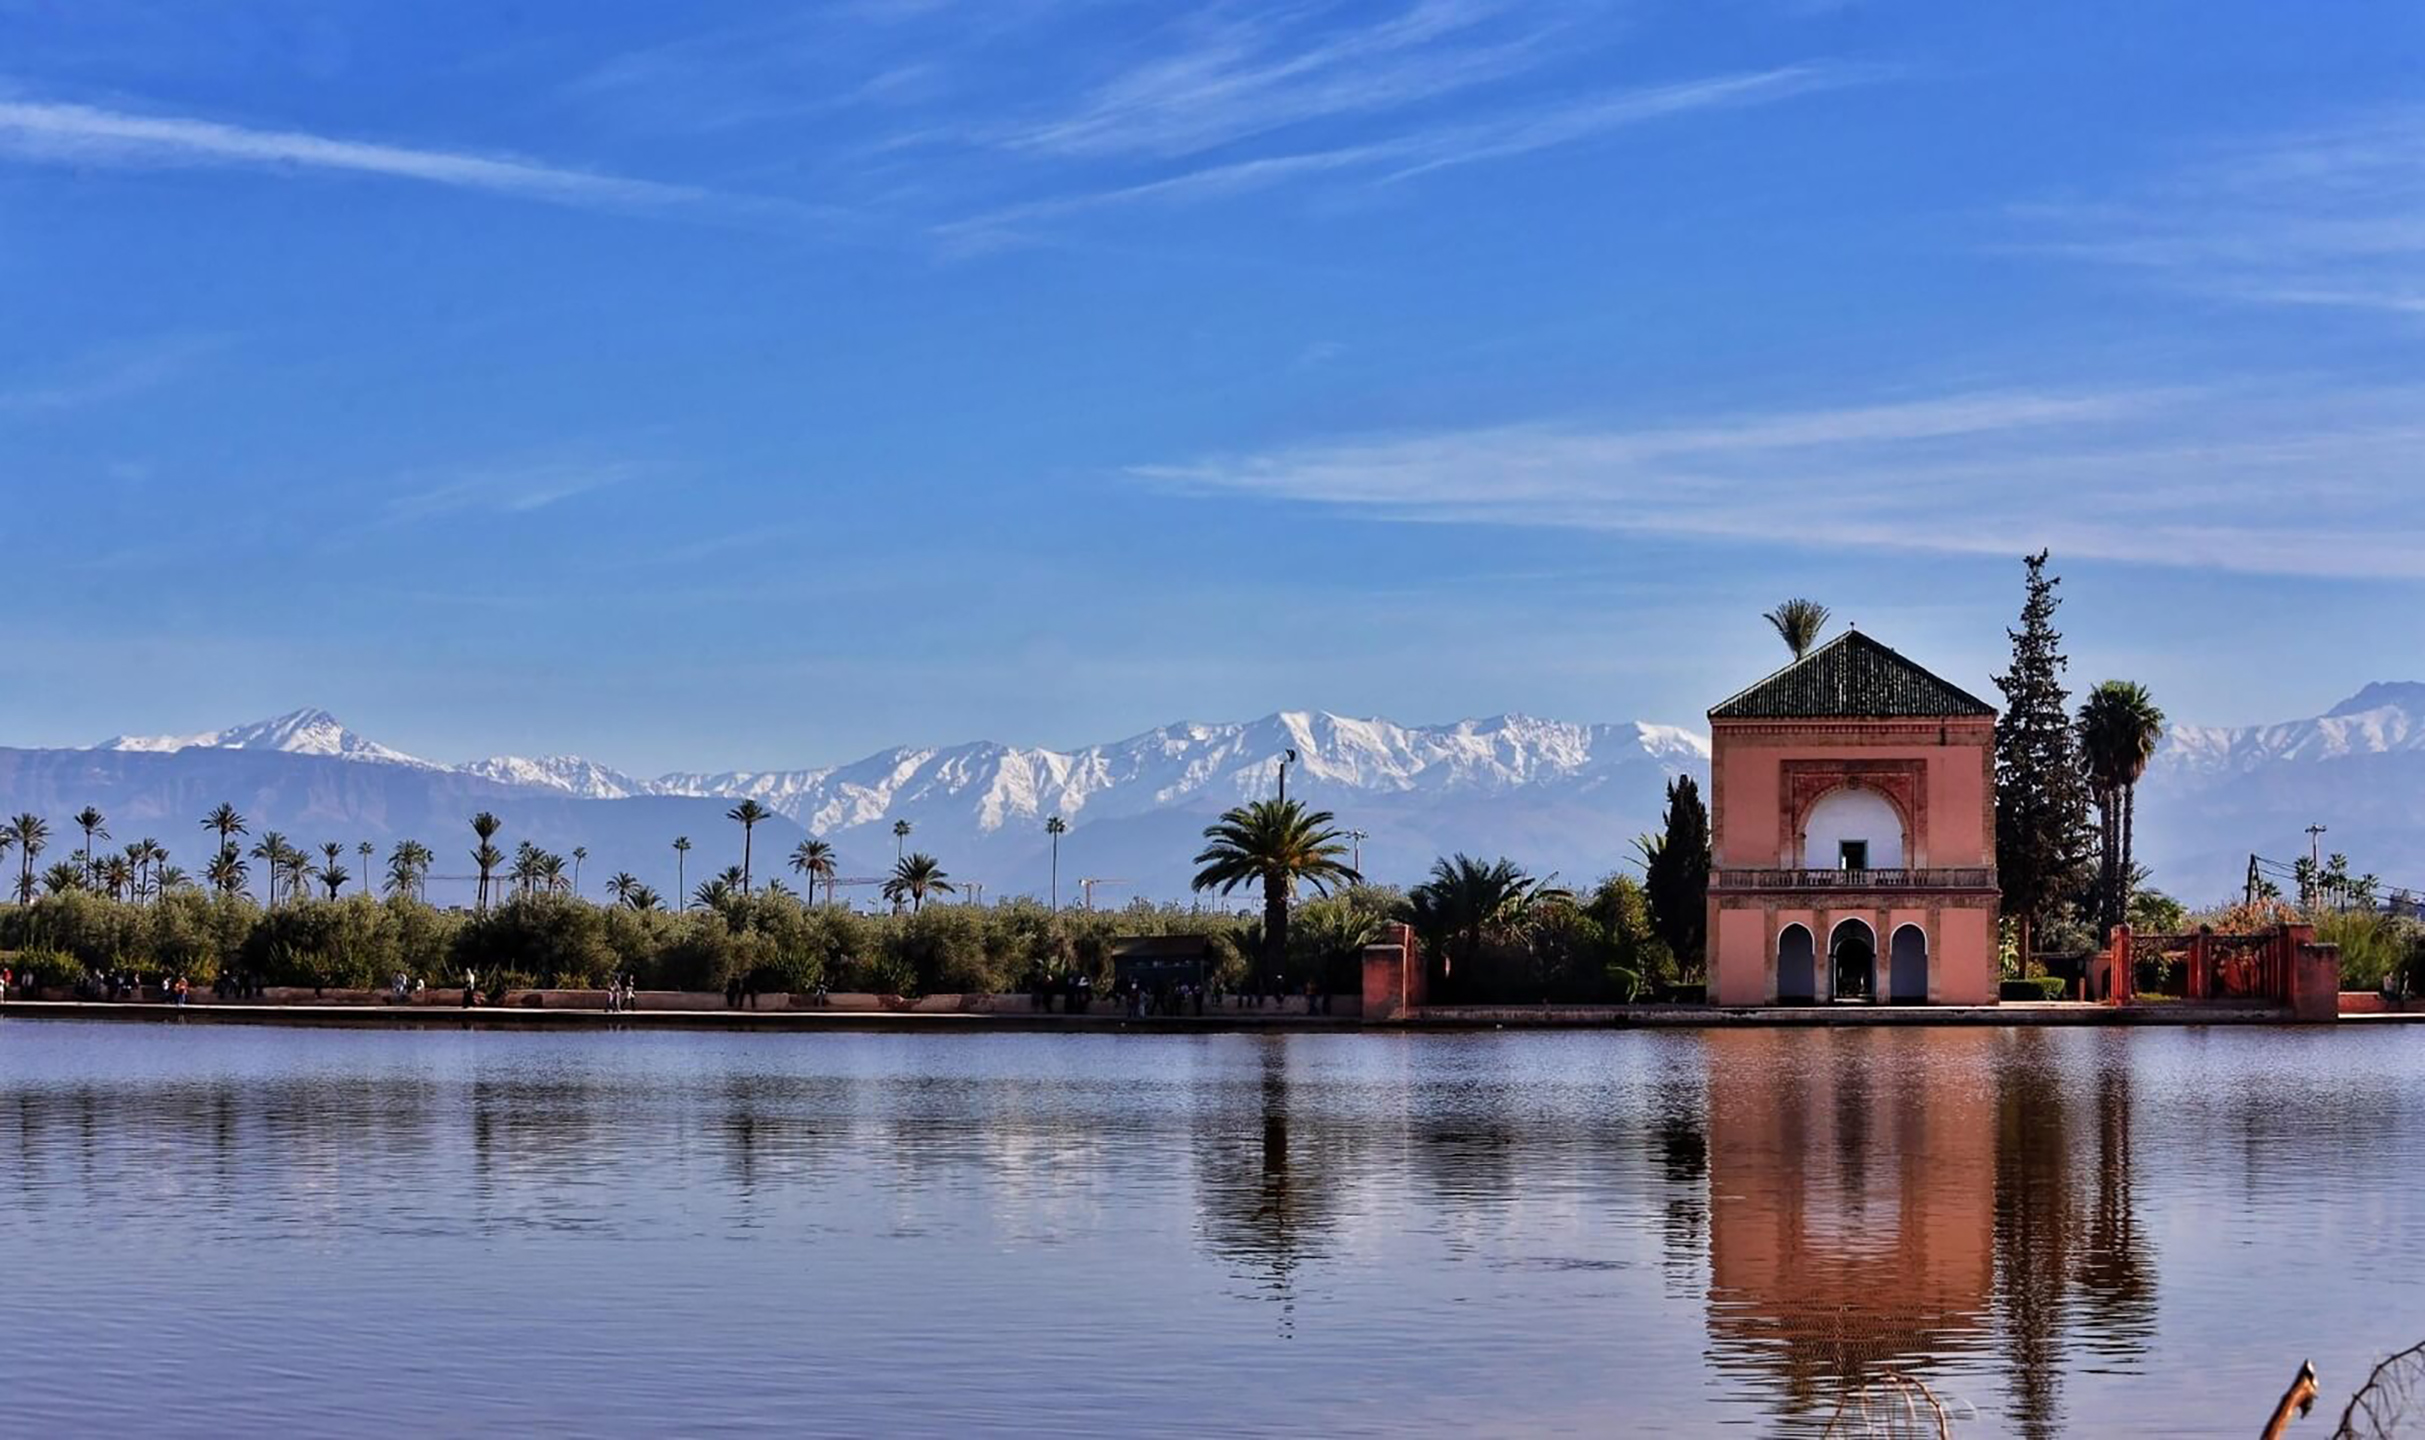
(1853,835)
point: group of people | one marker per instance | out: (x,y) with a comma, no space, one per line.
(127,985)
(622,994)
(1075,992)
(234,984)
(1166,1000)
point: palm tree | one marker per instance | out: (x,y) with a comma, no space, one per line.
(270,850)
(329,851)
(116,873)
(1277,842)
(1798,624)
(815,859)
(63,877)
(8,839)
(226,871)
(525,873)
(717,893)
(146,856)
(900,837)
(298,871)
(550,876)
(2119,728)
(1467,903)
(643,898)
(90,821)
(622,886)
(408,868)
(681,855)
(914,878)
(334,877)
(168,878)
(747,814)
(1054,829)
(580,853)
(31,834)
(365,852)
(227,822)
(486,856)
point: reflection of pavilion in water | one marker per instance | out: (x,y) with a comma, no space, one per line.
(1881,1201)
(1852,1212)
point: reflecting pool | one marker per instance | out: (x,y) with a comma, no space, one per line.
(209,1228)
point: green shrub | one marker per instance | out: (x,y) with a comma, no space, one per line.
(43,967)
(2036,987)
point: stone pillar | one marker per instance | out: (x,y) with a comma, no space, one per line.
(1881,958)
(1393,976)
(2315,976)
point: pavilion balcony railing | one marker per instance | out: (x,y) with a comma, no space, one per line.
(1942,878)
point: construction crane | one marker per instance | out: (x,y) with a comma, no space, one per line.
(1087,888)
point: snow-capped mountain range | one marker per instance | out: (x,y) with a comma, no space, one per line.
(1000,785)
(1556,795)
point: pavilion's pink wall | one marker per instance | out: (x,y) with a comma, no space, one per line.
(1958,829)
(1742,958)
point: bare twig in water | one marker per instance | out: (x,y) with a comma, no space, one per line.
(1912,1393)
(2297,1400)
(2385,1404)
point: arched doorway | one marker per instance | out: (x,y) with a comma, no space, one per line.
(1910,967)
(1797,975)
(1852,959)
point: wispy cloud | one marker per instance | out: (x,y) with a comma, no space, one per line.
(516,489)
(2325,217)
(1235,75)
(109,374)
(2243,479)
(86,135)
(1406,156)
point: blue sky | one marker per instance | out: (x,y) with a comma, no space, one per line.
(749,385)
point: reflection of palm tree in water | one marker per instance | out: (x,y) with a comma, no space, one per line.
(2037,1226)
(2116,1282)
(1261,1205)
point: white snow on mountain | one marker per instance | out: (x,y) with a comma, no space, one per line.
(571,774)
(1214,764)
(2379,720)
(1554,793)
(298,732)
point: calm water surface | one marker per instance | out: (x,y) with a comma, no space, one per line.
(211,1228)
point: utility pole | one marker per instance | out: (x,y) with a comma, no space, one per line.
(2315,846)
(1287,758)
(1357,838)
(2252,878)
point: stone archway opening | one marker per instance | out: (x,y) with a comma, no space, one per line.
(1852,961)
(1909,966)
(1797,968)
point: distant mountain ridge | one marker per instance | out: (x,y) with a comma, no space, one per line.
(1557,795)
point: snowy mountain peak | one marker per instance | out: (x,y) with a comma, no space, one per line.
(310,731)
(571,774)
(2408,695)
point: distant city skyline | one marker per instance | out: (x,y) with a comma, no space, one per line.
(767,391)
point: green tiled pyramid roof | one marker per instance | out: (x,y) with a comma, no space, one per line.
(1851,677)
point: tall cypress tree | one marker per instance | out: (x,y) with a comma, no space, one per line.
(2042,830)
(1675,873)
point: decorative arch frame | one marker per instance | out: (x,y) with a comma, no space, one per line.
(1903,784)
